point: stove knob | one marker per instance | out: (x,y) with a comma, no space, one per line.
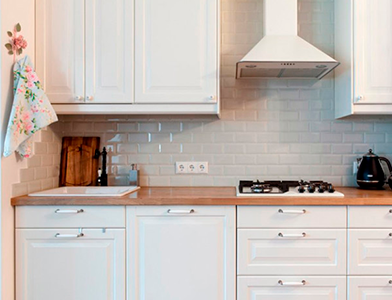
(331,189)
(301,189)
(321,189)
(311,188)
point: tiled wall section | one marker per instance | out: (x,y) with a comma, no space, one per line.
(269,128)
(42,170)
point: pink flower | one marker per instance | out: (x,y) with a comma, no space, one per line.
(26,116)
(20,42)
(28,69)
(30,84)
(32,77)
(28,126)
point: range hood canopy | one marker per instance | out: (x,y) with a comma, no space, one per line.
(281,53)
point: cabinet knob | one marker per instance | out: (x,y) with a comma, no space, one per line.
(79,98)
(360,97)
(213,97)
(90,98)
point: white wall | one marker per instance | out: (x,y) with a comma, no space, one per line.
(12,12)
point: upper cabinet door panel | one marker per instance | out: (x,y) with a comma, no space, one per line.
(176,51)
(109,51)
(372,51)
(60,48)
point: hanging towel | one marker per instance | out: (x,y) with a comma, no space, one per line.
(31,110)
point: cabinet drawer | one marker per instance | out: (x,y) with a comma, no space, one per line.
(291,252)
(370,252)
(69,216)
(370,216)
(291,288)
(291,216)
(369,288)
(181,211)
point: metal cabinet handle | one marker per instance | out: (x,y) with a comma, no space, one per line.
(180,212)
(79,98)
(303,234)
(213,97)
(68,211)
(68,236)
(390,281)
(390,211)
(90,98)
(360,97)
(303,282)
(288,211)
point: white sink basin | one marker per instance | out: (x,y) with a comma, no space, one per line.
(88,191)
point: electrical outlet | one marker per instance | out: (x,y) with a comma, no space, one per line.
(202,167)
(191,167)
(181,167)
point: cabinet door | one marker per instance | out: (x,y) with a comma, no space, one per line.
(369,288)
(291,252)
(109,51)
(372,51)
(292,288)
(55,264)
(60,49)
(178,253)
(176,51)
(370,252)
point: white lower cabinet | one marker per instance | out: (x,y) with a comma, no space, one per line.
(370,288)
(292,288)
(291,251)
(70,264)
(370,252)
(181,253)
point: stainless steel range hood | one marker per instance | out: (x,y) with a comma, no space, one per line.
(281,53)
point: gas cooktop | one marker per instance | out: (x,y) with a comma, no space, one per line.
(316,188)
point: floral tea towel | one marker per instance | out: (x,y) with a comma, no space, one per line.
(31,110)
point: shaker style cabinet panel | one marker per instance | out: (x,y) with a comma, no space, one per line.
(372,51)
(177,253)
(176,44)
(370,252)
(369,288)
(60,49)
(85,50)
(363,45)
(291,252)
(63,264)
(292,288)
(109,51)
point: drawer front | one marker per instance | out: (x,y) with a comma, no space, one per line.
(182,210)
(69,216)
(291,216)
(370,216)
(370,252)
(291,252)
(291,288)
(369,288)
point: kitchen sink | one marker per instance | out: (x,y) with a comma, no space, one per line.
(89,191)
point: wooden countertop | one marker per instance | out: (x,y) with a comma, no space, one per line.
(211,196)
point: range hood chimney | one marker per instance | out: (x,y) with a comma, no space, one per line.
(281,53)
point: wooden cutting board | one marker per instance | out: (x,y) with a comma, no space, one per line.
(79,166)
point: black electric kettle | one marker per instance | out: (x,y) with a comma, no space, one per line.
(370,172)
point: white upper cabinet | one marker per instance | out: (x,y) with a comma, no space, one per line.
(176,51)
(60,49)
(109,51)
(139,56)
(363,46)
(85,50)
